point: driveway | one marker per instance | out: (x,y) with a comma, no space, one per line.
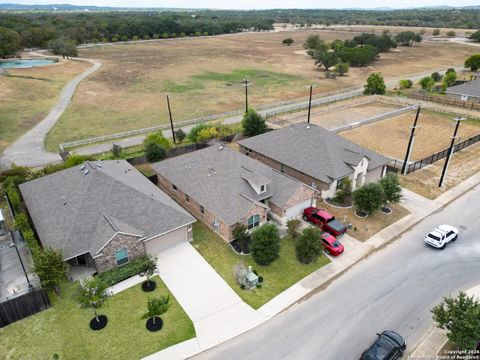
(216,310)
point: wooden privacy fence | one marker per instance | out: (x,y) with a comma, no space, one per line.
(445,100)
(22,306)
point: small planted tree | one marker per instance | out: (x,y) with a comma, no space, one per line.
(449,80)
(427,83)
(150,269)
(265,244)
(241,237)
(405,84)
(155,308)
(460,316)
(116,150)
(368,199)
(392,191)
(293,226)
(308,246)
(375,85)
(343,196)
(253,123)
(342,68)
(92,293)
(180,135)
(287,42)
(51,269)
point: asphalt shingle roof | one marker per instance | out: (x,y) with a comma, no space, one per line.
(471,88)
(218,178)
(313,150)
(78,213)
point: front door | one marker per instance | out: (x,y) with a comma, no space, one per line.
(81,261)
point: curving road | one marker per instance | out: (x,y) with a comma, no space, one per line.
(29,149)
(394,288)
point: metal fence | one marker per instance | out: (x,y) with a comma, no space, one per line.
(417,165)
(445,100)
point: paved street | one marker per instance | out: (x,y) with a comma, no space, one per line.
(394,288)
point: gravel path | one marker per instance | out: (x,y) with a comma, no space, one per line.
(29,149)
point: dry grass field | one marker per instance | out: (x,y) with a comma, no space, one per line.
(26,95)
(390,137)
(202,77)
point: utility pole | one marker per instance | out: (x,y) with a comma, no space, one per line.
(450,150)
(410,143)
(310,103)
(12,244)
(245,82)
(171,121)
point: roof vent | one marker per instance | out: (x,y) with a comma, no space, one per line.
(82,167)
(308,127)
(98,165)
(220,147)
(212,171)
(86,172)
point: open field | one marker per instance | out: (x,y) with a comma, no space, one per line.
(63,329)
(390,137)
(26,96)
(202,77)
(464,164)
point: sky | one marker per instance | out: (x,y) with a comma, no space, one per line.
(255,4)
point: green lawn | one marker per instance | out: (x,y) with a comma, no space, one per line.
(64,329)
(279,276)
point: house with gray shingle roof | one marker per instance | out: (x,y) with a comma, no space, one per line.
(315,156)
(104,214)
(469,91)
(223,187)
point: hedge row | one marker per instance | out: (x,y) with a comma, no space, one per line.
(115,275)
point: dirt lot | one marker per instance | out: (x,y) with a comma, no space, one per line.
(339,115)
(390,137)
(202,77)
(464,164)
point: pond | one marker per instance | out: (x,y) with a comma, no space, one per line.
(23,64)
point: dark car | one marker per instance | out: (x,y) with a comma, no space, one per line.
(388,346)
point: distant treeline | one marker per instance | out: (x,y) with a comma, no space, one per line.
(36,29)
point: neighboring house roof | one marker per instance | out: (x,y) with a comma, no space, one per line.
(219,179)
(313,150)
(79,211)
(471,88)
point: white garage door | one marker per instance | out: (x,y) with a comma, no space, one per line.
(166,241)
(297,210)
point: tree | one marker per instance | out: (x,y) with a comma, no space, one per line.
(51,269)
(10,42)
(324,57)
(358,56)
(408,38)
(207,134)
(392,191)
(449,80)
(436,32)
(63,46)
(92,293)
(368,198)
(375,85)
(405,84)
(150,268)
(193,134)
(436,76)
(460,316)
(180,135)
(157,138)
(313,42)
(451,33)
(308,247)
(293,225)
(475,36)
(288,41)
(450,70)
(116,150)
(342,68)
(253,123)
(240,234)
(156,307)
(154,152)
(265,244)
(473,62)
(427,83)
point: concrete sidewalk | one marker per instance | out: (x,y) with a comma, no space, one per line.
(420,208)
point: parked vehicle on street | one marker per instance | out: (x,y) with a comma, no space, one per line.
(388,346)
(331,244)
(324,220)
(441,236)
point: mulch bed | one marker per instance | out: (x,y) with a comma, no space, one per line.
(386,210)
(361,214)
(245,249)
(345,204)
(100,324)
(154,327)
(148,286)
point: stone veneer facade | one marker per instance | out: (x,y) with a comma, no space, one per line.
(106,259)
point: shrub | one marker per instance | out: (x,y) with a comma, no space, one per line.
(344,190)
(265,244)
(405,84)
(288,41)
(342,68)
(51,269)
(116,150)
(180,135)
(436,76)
(427,83)
(259,286)
(146,37)
(436,32)
(205,33)
(449,80)
(253,123)
(392,190)
(308,246)
(260,279)
(156,36)
(293,225)
(134,267)
(207,134)
(154,152)
(157,138)
(74,160)
(369,198)
(375,85)
(21,222)
(14,196)
(240,234)
(135,38)
(451,33)
(473,62)
(193,134)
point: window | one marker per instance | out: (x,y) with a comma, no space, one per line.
(187,198)
(262,188)
(202,210)
(282,168)
(121,257)
(253,221)
(174,187)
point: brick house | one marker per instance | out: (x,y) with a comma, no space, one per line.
(104,214)
(223,187)
(315,156)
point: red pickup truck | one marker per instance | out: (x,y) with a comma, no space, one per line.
(324,220)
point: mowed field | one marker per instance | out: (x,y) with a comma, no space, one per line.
(390,137)
(202,76)
(26,95)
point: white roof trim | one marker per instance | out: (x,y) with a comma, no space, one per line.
(166,232)
(117,233)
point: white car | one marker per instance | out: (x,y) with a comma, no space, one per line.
(440,236)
